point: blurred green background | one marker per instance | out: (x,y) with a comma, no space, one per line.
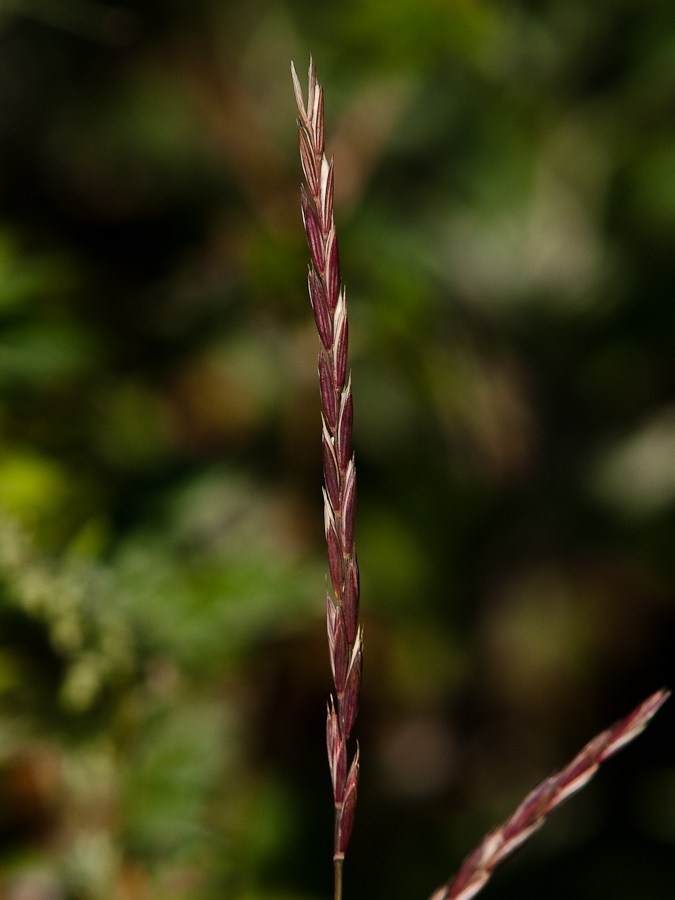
(505,201)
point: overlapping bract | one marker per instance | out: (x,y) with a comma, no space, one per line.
(328,301)
(530,815)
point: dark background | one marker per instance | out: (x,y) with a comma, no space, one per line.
(505,202)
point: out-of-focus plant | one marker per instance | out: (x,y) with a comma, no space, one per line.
(505,213)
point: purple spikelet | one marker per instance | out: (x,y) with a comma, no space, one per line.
(327,296)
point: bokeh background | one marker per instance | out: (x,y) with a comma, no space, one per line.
(505,177)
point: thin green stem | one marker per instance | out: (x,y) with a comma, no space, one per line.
(338,879)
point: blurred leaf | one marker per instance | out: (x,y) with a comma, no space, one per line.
(44,352)
(169,782)
(31,487)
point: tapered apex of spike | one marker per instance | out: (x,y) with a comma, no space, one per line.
(311,116)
